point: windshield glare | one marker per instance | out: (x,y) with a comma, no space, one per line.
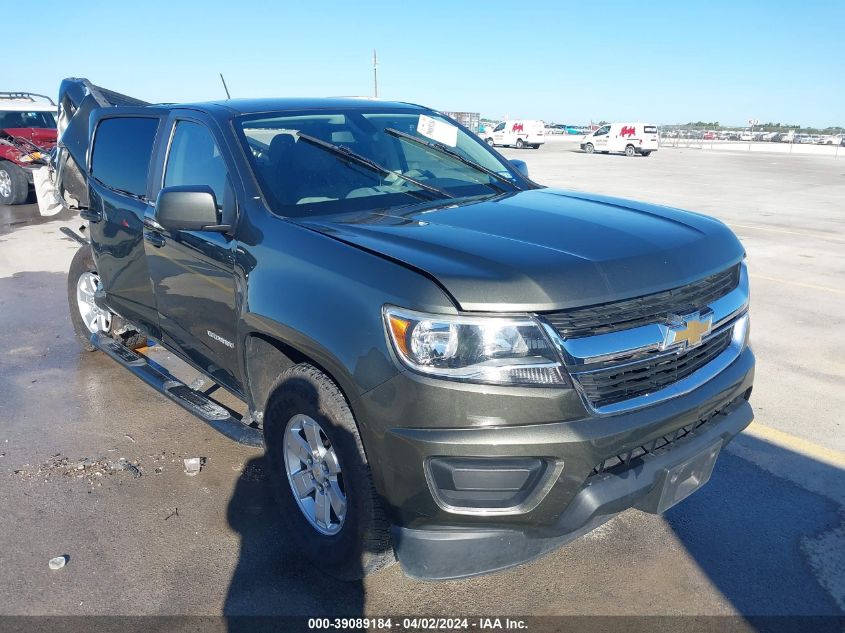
(300,179)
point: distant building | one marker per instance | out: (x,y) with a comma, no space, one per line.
(467,119)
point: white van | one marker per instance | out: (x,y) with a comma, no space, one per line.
(630,138)
(519,133)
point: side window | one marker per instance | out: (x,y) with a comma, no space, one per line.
(194,159)
(602,131)
(121,156)
(499,127)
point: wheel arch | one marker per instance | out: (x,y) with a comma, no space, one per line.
(267,355)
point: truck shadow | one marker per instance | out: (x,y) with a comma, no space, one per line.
(272,579)
(770,546)
(274,587)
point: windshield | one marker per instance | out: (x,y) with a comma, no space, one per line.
(27,119)
(300,177)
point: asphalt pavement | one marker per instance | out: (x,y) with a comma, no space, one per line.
(91,458)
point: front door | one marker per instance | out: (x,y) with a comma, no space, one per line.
(499,134)
(600,138)
(193,271)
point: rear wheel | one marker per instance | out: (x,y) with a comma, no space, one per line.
(86,316)
(646,152)
(520,143)
(14,187)
(589,148)
(535,146)
(321,476)
(629,150)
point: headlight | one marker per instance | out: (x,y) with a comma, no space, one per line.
(493,350)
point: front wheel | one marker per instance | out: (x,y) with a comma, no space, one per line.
(589,148)
(86,316)
(629,150)
(646,152)
(520,143)
(535,146)
(321,477)
(14,187)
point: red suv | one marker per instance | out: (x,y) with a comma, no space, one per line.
(27,134)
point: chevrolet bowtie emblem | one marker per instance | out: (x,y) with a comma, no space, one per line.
(688,330)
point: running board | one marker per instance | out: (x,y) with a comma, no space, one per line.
(191,400)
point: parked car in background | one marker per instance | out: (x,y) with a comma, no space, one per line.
(27,134)
(517,133)
(629,138)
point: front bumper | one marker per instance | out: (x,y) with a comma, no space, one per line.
(434,541)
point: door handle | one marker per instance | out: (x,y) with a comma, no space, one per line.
(154,238)
(92,215)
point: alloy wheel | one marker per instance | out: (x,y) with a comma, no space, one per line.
(5,184)
(93,316)
(315,475)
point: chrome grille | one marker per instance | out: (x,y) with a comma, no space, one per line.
(644,376)
(653,308)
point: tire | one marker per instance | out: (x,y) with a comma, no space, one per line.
(535,146)
(520,143)
(14,187)
(83,264)
(629,150)
(489,141)
(589,148)
(645,152)
(359,543)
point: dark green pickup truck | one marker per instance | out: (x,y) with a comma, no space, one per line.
(448,363)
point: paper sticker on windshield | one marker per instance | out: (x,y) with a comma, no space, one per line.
(438,130)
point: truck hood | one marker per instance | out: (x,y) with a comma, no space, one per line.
(543,249)
(42,137)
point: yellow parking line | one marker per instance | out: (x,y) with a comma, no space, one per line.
(795,444)
(818,236)
(798,283)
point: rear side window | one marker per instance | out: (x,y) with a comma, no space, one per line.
(122,150)
(26,119)
(650,129)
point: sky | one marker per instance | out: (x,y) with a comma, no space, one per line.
(564,62)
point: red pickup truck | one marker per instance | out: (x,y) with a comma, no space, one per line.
(27,134)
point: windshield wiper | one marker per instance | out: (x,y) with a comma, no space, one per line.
(347,154)
(439,147)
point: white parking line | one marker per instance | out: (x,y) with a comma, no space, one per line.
(798,283)
(818,236)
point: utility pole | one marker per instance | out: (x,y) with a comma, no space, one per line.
(375,74)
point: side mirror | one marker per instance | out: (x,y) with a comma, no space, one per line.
(188,208)
(520,166)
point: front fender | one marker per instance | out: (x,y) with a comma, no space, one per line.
(323,298)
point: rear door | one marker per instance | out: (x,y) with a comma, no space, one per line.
(118,191)
(651,138)
(193,271)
